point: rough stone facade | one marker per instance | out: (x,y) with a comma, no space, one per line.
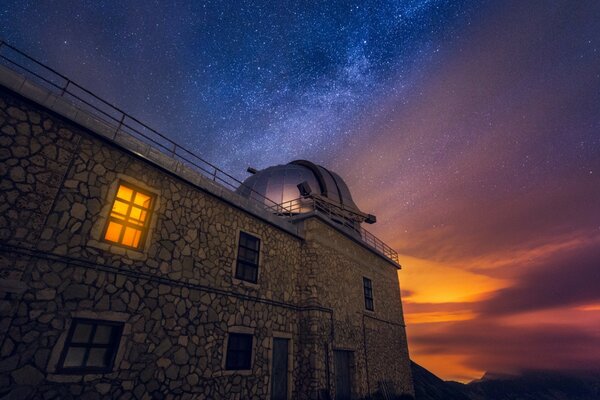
(177,296)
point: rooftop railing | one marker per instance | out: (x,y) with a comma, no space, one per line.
(125,126)
(124,123)
(349,219)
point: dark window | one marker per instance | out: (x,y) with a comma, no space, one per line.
(247,258)
(368,287)
(91,346)
(239,351)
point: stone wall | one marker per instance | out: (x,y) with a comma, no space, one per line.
(177,296)
(173,342)
(376,338)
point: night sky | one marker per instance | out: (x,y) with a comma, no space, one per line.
(470,128)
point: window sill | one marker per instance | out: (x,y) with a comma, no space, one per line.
(71,377)
(229,372)
(118,250)
(251,285)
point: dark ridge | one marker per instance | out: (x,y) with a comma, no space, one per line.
(534,385)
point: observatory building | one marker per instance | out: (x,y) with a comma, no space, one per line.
(130,268)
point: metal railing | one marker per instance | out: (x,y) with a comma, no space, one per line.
(339,214)
(124,123)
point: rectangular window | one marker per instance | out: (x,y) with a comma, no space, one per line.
(91,346)
(247,258)
(129,218)
(239,352)
(368,288)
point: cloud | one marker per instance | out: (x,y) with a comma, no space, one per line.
(546,318)
(571,279)
(500,346)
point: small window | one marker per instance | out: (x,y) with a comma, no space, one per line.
(129,218)
(91,346)
(239,352)
(247,258)
(368,288)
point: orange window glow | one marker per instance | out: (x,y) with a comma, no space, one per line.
(129,218)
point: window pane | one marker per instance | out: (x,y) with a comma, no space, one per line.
(243,239)
(103,334)
(251,273)
(252,243)
(135,213)
(136,238)
(142,200)
(74,357)
(113,232)
(82,333)
(124,193)
(97,357)
(239,272)
(120,207)
(249,241)
(246,272)
(248,255)
(131,237)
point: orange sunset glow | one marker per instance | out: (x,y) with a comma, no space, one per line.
(491,194)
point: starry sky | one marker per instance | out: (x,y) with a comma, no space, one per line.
(470,128)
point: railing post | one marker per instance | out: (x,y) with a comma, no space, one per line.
(64,88)
(119,126)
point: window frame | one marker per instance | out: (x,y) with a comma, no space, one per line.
(247,366)
(244,263)
(368,294)
(144,229)
(112,346)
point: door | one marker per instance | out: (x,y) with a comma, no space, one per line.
(279,375)
(343,382)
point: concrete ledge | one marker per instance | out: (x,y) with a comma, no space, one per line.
(11,79)
(95,124)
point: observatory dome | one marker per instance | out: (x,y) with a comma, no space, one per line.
(279,184)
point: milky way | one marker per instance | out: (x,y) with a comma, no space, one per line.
(470,128)
(243,83)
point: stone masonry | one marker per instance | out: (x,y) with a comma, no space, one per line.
(177,296)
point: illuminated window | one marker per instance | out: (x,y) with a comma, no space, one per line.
(247,258)
(368,289)
(91,346)
(129,218)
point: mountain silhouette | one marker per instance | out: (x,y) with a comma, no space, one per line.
(532,385)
